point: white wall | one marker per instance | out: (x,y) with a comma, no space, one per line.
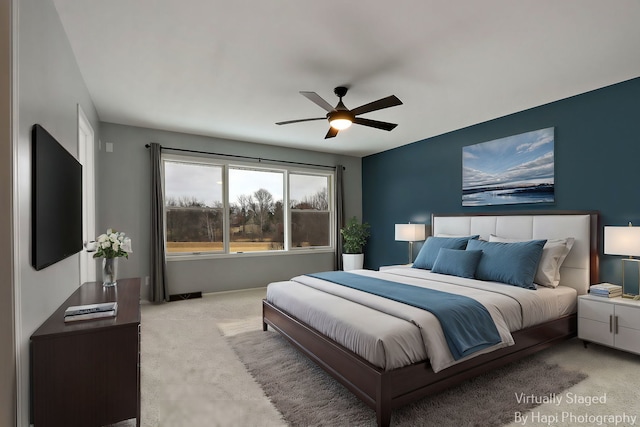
(50,88)
(124,200)
(7,343)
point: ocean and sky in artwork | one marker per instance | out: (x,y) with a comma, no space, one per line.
(512,170)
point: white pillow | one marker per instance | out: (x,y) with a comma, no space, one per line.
(454,235)
(554,253)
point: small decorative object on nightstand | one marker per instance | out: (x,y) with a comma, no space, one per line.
(614,322)
(606,290)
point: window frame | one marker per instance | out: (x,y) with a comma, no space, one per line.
(286,170)
(195,161)
(227,203)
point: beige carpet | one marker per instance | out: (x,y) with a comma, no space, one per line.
(191,376)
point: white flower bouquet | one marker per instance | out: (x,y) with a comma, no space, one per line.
(113,244)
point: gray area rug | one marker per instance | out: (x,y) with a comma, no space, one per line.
(307,396)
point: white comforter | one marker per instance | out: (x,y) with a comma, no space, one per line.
(390,334)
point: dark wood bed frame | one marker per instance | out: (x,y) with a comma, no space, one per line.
(386,390)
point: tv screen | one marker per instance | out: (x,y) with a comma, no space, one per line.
(56,201)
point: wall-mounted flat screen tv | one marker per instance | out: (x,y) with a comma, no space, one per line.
(56,201)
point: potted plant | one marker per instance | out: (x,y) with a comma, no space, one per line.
(354,237)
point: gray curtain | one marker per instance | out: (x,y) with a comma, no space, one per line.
(339,216)
(158,264)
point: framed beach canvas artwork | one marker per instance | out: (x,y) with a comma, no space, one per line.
(512,170)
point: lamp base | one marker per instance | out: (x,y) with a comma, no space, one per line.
(630,278)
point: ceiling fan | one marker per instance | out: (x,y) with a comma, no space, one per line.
(340,117)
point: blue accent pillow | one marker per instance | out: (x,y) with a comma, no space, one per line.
(511,263)
(429,251)
(456,262)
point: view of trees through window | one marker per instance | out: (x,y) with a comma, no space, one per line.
(256,209)
(310,215)
(256,215)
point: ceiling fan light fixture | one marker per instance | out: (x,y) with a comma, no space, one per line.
(340,119)
(340,124)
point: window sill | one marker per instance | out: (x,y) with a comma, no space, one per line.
(203,256)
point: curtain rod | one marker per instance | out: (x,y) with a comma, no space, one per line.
(259,159)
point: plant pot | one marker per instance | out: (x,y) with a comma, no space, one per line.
(352,262)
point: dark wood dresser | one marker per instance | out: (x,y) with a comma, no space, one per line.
(87,373)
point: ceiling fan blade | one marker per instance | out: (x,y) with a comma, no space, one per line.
(389,101)
(317,99)
(375,123)
(332,132)
(301,120)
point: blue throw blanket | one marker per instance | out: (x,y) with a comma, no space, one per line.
(467,325)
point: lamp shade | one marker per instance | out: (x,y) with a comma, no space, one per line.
(621,241)
(410,232)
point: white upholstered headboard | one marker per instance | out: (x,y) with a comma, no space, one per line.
(580,268)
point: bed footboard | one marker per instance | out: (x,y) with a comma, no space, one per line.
(384,391)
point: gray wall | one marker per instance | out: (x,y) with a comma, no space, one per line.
(7,343)
(50,89)
(123,200)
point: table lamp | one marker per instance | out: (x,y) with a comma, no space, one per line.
(625,241)
(410,233)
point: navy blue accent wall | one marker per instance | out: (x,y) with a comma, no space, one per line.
(597,167)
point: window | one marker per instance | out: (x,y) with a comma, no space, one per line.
(257,217)
(193,207)
(310,214)
(215,208)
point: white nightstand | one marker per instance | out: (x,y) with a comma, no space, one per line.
(614,322)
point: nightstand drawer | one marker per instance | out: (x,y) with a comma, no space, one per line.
(628,339)
(595,310)
(592,330)
(628,317)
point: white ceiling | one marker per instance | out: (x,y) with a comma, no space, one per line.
(232,69)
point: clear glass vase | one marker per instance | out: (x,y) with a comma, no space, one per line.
(109,272)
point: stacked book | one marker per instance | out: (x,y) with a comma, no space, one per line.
(606,290)
(90,311)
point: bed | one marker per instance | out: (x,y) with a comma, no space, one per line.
(377,358)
